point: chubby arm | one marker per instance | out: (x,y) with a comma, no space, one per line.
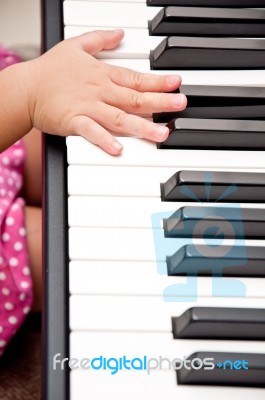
(67,91)
(15,119)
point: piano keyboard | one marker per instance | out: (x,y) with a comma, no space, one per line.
(127,294)
(116,288)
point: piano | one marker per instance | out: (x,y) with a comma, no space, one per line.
(132,280)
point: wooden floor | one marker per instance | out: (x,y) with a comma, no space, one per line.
(20,367)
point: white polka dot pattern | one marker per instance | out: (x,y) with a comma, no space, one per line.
(2,276)
(5,291)
(22,232)
(13,262)
(10,221)
(26,310)
(5,237)
(9,306)
(26,271)
(24,284)
(15,278)
(22,297)
(12,320)
(18,246)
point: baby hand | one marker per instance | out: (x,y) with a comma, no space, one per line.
(73,93)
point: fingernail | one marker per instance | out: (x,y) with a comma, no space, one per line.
(178,100)
(173,80)
(161,131)
(118,30)
(116,146)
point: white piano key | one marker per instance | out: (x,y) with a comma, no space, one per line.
(122,278)
(133,13)
(208,78)
(212,78)
(137,44)
(108,212)
(142,313)
(123,15)
(128,212)
(116,181)
(111,244)
(132,385)
(138,152)
(125,181)
(120,1)
(128,278)
(138,344)
(126,244)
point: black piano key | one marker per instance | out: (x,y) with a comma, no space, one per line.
(211,222)
(231,369)
(188,53)
(203,260)
(215,134)
(214,22)
(208,3)
(194,186)
(220,323)
(219,102)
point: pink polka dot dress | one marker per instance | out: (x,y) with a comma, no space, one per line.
(15,280)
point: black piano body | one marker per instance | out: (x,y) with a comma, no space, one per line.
(55,325)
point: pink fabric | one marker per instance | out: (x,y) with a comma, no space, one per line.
(15,279)
(7,57)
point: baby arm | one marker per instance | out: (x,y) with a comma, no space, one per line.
(67,91)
